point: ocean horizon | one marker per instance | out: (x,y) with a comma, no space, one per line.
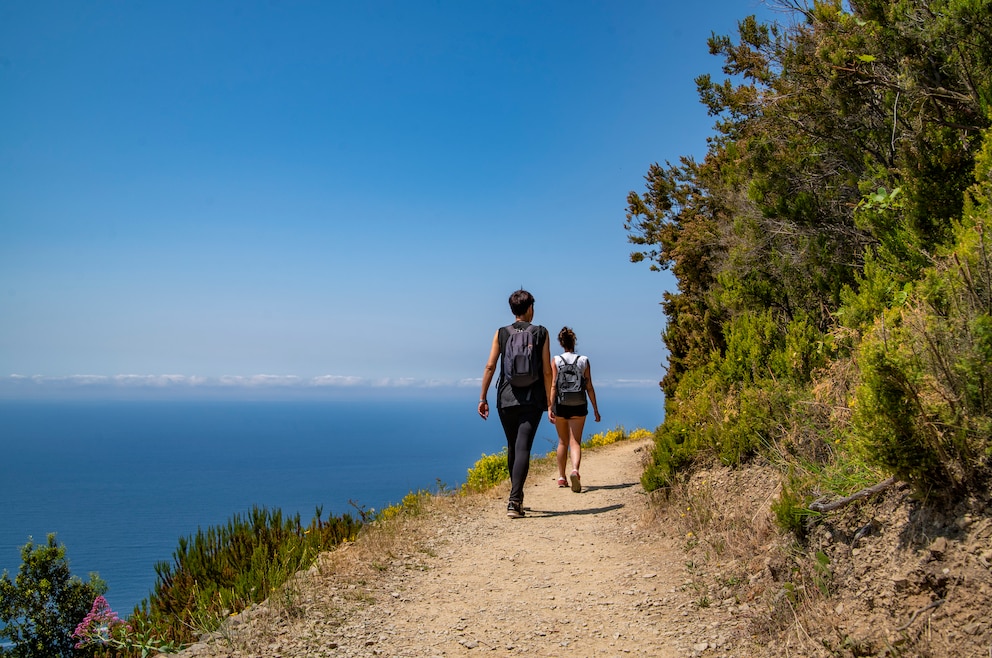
(121,480)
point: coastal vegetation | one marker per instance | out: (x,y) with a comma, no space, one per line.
(832,322)
(832,318)
(833,313)
(214,573)
(42,604)
(224,569)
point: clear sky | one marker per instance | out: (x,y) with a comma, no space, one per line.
(335,191)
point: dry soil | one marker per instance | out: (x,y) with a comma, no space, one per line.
(605,572)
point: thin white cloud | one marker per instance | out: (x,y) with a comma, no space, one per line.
(157,380)
(632,383)
(260,381)
(338,380)
(436,383)
(396,382)
(72,380)
(231,381)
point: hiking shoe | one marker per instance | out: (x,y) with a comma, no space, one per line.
(515,510)
(576,485)
(562,482)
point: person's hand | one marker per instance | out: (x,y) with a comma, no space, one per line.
(551,416)
(597,415)
(484,409)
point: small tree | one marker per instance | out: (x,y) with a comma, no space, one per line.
(42,606)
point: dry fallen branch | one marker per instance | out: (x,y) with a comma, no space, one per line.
(821,506)
(916,614)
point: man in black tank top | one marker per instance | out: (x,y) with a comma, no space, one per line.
(520,408)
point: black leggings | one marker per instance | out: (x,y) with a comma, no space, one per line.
(520,427)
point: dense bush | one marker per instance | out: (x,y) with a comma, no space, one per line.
(224,569)
(614,435)
(40,608)
(674,449)
(489,471)
(833,239)
(924,406)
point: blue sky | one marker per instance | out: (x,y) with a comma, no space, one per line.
(334,192)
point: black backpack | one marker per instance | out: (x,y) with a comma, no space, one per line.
(521,358)
(570,386)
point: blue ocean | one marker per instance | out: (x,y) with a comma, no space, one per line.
(120,481)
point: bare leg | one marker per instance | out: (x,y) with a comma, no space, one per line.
(562,427)
(575,426)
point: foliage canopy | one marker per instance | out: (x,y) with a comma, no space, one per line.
(42,605)
(830,251)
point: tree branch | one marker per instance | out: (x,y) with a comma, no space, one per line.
(822,506)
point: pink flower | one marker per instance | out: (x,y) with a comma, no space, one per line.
(97,625)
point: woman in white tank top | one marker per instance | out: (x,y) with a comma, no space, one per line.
(568,405)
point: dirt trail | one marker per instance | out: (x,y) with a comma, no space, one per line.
(580,575)
(603,573)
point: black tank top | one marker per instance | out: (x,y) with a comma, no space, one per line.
(513,396)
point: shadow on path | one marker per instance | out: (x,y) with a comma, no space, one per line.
(537,513)
(623,485)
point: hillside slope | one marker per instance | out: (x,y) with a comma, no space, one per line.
(606,573)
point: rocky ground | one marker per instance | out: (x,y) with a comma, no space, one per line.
(611,572)
(885,576)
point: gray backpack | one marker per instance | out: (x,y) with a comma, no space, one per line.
(521,359)
(570,386)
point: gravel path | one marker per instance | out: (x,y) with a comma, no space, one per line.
(583,574)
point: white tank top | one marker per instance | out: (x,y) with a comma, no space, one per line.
(569,357)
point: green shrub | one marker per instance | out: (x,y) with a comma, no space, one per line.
(752,338)
(804,352)
(758,417)
(614,435)
(791,508)
(923,409)
(886,416)
(489,471)
(224,569)
(741,402)
(42,606)
(411,505)
(877,289)
(675,446)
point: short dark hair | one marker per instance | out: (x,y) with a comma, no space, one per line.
(520,301)
(566,338)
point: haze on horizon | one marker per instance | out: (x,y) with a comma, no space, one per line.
(331,193)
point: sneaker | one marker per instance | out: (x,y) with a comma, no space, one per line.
(576,485)
(515,510)
(562,482)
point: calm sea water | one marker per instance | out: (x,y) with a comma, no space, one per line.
(121,481)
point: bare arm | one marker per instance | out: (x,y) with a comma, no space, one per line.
(551,393)
(591,391)
(487,376)
(548,368)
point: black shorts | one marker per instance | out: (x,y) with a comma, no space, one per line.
(570,411)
